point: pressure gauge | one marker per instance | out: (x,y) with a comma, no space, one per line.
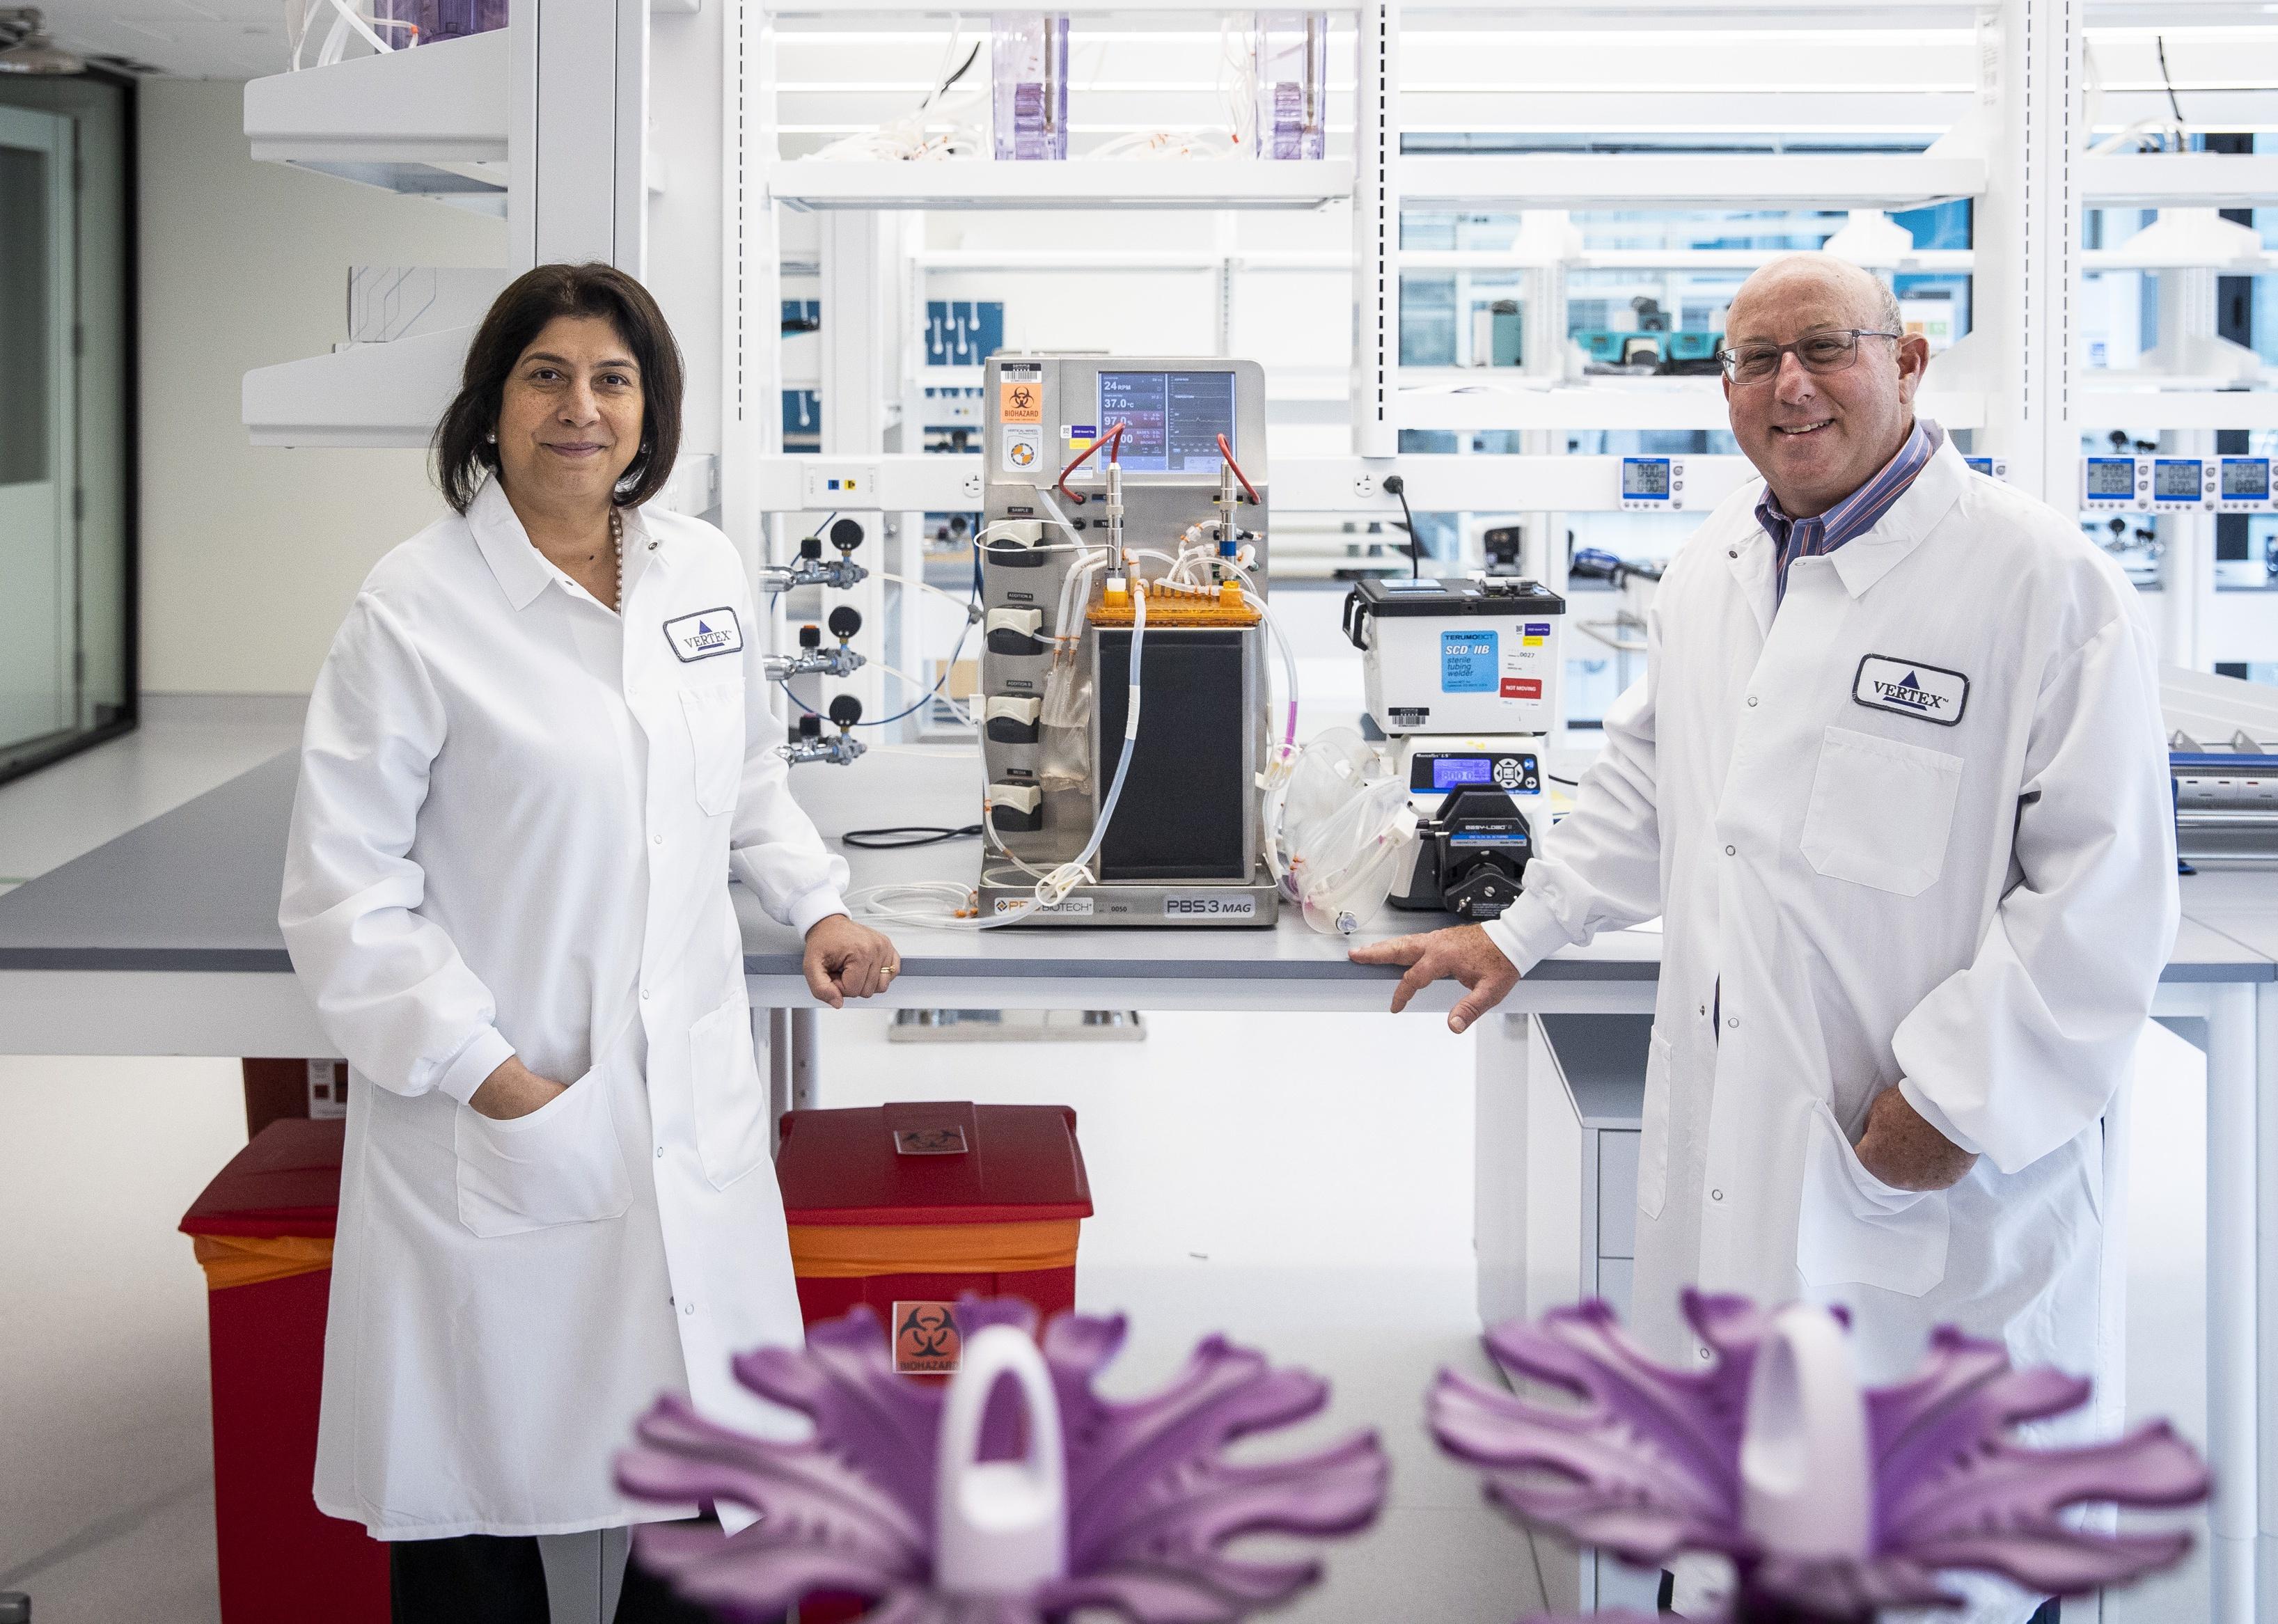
(1653,485)
(2116,482)
(2245,485)
(2182,482)
(1992,468)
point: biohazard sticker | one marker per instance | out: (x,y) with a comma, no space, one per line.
(949,1142)
(927,1341)
(1021,399)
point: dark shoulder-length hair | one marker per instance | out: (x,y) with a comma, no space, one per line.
(466,449)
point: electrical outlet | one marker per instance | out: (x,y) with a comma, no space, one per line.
(970,488)
(1365,486)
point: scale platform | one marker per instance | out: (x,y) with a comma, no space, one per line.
(1159,904)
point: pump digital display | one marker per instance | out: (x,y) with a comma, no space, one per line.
(2112,478)
(1172,420)
(2246,479)
(1455,771)
(1645,479)
(2176,479)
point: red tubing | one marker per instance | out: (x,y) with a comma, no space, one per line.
(1107,439)
(1227,452)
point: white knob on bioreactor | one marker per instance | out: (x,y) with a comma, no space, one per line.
(1805,1488)
(1000,1526)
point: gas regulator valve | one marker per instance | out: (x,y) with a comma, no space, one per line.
(840,748)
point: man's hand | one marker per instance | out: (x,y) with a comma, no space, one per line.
(513,1090)
(845,960)
(1905,1152)
(1463,951)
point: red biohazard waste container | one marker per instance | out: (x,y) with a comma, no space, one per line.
(921,1203)
(263,1231)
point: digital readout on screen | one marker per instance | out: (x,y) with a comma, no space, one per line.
(2176,479)
(2246,479)
(2112,476)
(1454,772)
(1172,420)
(1645,477)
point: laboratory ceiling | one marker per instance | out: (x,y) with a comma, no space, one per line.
(188,39)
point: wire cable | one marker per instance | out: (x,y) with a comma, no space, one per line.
(1227,452)
(1398,486)
(903,836)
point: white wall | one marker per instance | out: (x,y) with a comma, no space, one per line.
(251,556)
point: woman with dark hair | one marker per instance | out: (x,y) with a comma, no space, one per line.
(538,748)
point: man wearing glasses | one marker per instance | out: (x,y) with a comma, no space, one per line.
(1896,783)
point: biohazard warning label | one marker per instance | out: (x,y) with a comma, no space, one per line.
(927,1341)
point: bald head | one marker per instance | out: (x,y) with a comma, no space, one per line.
(1816,437)
(1865,295)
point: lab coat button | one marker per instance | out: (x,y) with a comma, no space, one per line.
(1731,1021)
(1704,1008)
(644,994)
(1716,1195)
(1752,699)
(660,1153)
(1728,851)
(689,1306)
(659,838)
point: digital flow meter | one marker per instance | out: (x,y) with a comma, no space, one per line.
(2243,485)
(1653,485)
(2116,482)
(2182,482)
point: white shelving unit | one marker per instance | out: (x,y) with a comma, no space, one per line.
(1130,183)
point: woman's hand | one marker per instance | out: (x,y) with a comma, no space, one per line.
(845,960)
(513,1090)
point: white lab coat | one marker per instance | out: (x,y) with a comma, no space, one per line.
(1974,907)
(517,820)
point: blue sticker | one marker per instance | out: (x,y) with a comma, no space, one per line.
(1538,628)
(1467,662)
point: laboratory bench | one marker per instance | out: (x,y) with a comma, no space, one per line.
(165,941)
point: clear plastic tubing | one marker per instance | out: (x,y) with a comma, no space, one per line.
(1028,55)
(1291,50)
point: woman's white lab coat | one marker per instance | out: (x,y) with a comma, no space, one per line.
(516,820)
(1913,830)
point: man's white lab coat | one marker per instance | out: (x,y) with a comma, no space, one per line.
(516,819)
(1913,830)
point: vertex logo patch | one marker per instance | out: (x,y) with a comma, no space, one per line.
(1910,687)
(703,636)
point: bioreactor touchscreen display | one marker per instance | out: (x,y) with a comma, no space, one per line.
(1172,420)
(1644,478)
(2245,479)
(2112,477)
(2176,479)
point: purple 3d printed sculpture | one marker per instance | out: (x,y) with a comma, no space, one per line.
(1831,1502)
(1150,1498)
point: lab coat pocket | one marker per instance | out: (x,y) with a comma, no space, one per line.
(1881,811)
(1653,1149)
(731,1101)
(560,1164)
(716,733)
(1855,1230)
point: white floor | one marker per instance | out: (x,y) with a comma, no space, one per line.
(1302,1184)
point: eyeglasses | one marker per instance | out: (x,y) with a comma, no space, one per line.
(1831,350)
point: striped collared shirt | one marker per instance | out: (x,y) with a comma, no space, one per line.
(1852,517)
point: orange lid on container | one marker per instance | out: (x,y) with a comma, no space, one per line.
(935,1162)
(287,1182)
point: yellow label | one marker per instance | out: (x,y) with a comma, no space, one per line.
(1532,643)
(1021,402)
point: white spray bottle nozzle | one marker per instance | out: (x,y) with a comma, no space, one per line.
(1806,1486)
(1000,1526)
